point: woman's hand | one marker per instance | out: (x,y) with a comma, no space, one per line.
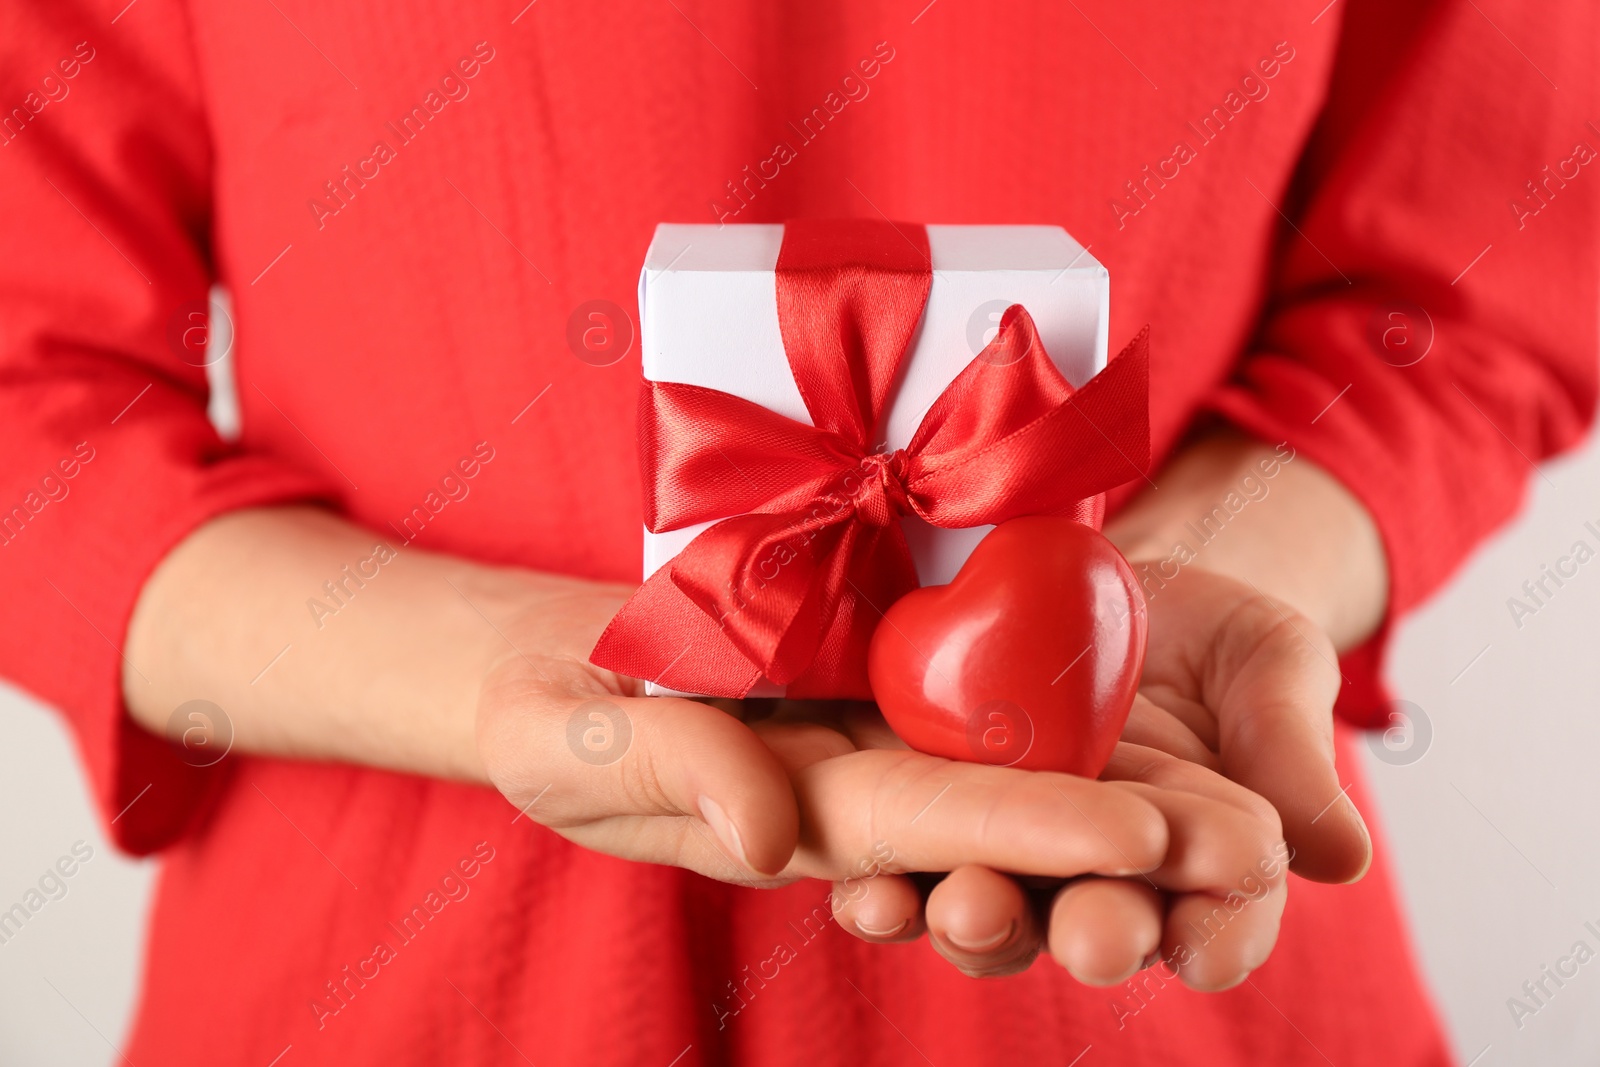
(826,791)
(1211,909)
(1258,569)
(1236,680)
(1233,681)
(1248,605)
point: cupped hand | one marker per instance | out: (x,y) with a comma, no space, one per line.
(1211,909)
(1236,682)
(1239,681)
(829,793)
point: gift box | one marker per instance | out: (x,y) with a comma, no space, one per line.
(836,412)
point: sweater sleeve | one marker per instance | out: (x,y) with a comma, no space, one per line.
(107,459)
(1431,333)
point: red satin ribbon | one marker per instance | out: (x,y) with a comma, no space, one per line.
(791,587)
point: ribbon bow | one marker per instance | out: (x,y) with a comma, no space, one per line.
(791,586)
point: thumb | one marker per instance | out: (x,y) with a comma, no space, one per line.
(628,775)
(1277,676)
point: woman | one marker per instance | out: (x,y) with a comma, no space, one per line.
(389,584)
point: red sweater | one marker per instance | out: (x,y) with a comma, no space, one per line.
(1366,228)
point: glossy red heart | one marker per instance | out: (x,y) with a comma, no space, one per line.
(1030,658)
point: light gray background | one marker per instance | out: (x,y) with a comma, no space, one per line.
(1494,826)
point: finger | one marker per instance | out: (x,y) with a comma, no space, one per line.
(885,909)
(859,722)
(933,814)
(1227,925)
(983,923)
(1103,930)
(1270,676)
(1137,763)
(1276,723)
(1183,707)
(1213,846)
(798,745)
(1215,942)
(1155,727)
(868,729)
(656,779)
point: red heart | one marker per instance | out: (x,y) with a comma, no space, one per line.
(1030,658)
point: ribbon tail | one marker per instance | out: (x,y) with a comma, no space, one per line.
(755,575)
(698,658)
(869,574)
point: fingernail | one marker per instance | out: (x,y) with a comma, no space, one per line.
(1119,979)
(873,932)
(723,827)
(982,946)
(1366,865)
(1229,985)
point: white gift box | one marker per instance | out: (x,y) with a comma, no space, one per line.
(708,316)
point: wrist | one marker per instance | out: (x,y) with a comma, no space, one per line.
(1268,516)
(488,602)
